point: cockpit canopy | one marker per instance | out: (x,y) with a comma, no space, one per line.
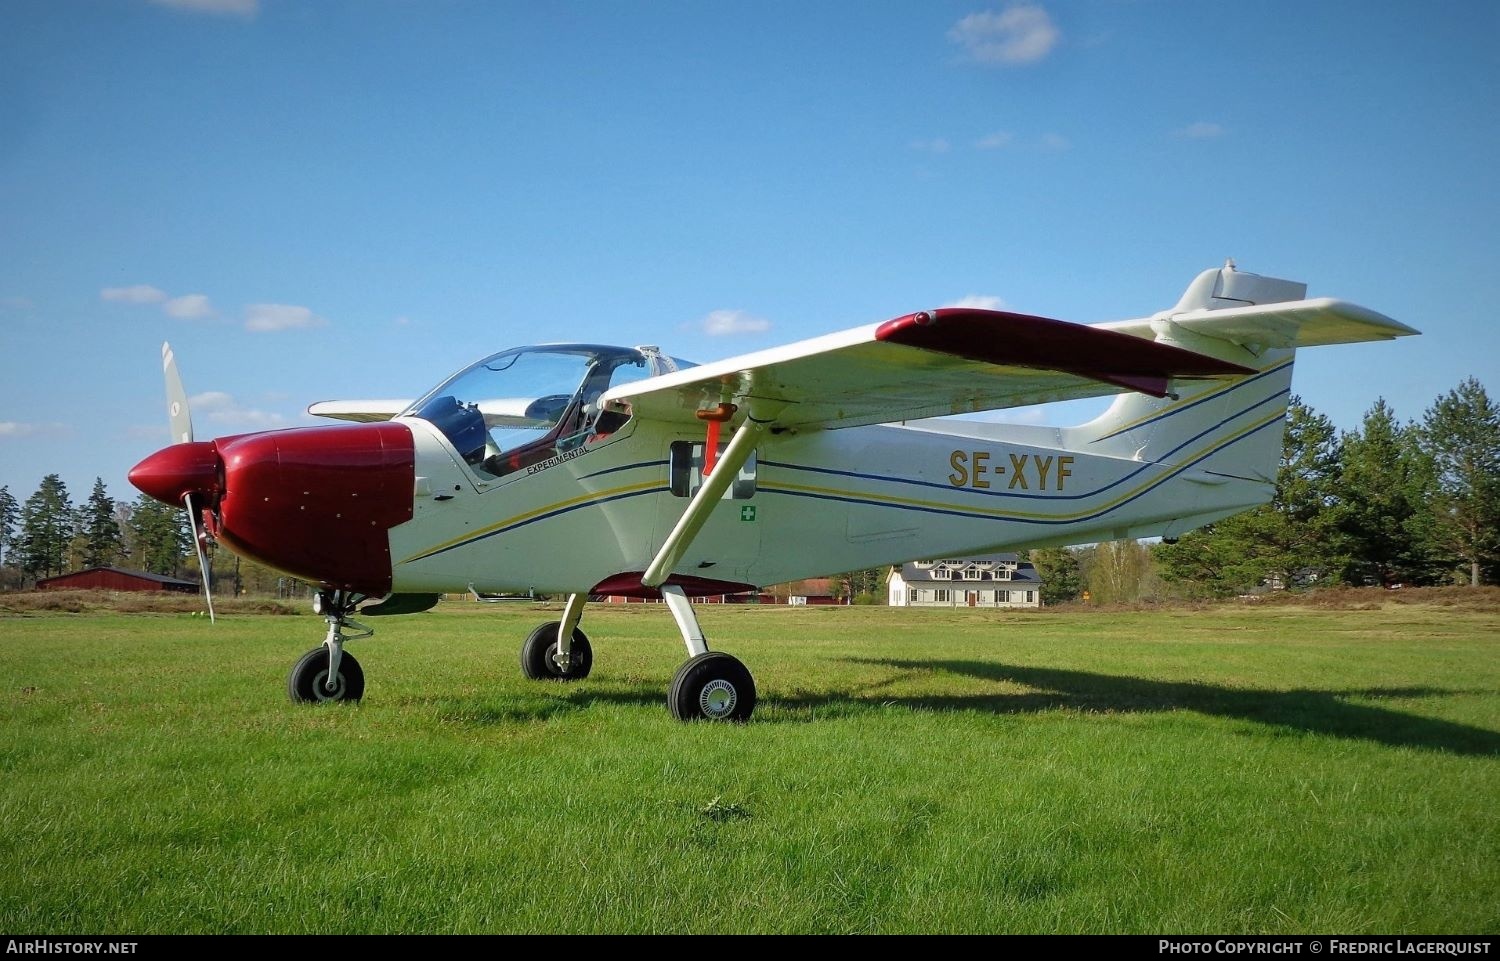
(523,406)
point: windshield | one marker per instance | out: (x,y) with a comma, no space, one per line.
(520,407)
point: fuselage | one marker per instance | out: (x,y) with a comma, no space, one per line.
(810,504)
(516,475)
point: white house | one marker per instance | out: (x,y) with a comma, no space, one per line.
(994,580)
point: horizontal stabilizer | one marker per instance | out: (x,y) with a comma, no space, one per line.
(1298,323)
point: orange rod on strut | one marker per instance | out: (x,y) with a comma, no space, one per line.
(711,448)
(713,416)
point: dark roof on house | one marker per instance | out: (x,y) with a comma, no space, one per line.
(141,575)
(1024,574)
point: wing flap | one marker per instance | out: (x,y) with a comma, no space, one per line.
(933,363)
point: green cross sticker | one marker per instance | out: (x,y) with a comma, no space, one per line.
(747,513)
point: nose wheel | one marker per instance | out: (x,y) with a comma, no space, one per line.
(327,673)
(309,682)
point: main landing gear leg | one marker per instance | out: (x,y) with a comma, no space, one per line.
(711,685)
(558,650)
(327,673)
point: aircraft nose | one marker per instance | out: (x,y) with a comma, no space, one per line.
(173,472)
(319,502)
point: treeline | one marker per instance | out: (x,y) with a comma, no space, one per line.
(47,535)
(1391,503)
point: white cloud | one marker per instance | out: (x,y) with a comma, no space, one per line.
(728,323)
(1201,130)
(271,317)
(139,294)
(189,307)
(935,145)
(978,302)
(11,428)
(1020,34)
(224,8)
(1054,141)
(996,140)
(217,407)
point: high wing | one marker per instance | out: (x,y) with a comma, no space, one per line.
(927,364)
(499,412)
(359,411)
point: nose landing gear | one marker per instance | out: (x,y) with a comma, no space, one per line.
(326,673)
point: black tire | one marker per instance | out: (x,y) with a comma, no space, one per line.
(712,687)
(305,685)
(540,647)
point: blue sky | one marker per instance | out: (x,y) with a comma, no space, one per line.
(318,200)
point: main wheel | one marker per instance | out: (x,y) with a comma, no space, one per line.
(308,682)
(712,687)
(540,649)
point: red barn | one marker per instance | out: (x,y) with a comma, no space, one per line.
(115,579)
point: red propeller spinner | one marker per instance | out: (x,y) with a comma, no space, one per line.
(174,472)
(315,502)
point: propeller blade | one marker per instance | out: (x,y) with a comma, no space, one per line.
(177,402)
(208,594)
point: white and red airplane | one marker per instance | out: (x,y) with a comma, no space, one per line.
(582,469)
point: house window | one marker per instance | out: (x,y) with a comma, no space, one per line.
(971,574)
(1031,597)
(1002,597)
(913,595)
(1003,574)
(942,596)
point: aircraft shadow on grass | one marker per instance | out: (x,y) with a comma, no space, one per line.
(1313,711)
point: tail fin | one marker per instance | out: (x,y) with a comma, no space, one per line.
(1227,429)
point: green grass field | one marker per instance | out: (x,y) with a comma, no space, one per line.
(1273,769)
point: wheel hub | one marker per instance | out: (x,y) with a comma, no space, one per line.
(323,692)
(718,698)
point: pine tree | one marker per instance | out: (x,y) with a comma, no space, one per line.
(1384,484)
(10,516)
(46,528)
(159,536)
(103,543)
(1058,568)
(1290,541)
(1461,433)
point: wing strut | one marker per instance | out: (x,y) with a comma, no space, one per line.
(707,498)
